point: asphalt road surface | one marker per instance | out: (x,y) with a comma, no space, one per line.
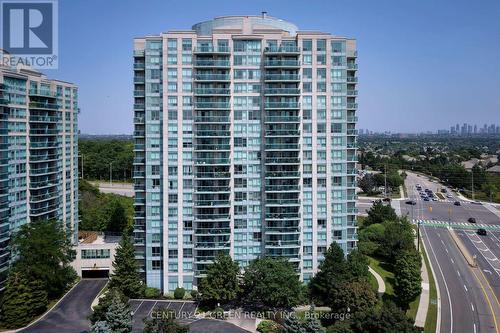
(70,315)
(464,306)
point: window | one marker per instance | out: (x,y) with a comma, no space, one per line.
(307,45)
(321,45)
(95,254)
(307,59)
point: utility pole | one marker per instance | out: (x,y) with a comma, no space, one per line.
(111,174)
(385,180)
(472,173)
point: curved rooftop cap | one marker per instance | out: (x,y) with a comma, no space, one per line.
(246,23)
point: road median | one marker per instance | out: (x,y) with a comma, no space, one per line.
(461,247)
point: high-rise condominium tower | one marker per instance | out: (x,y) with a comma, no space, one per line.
(245,143)
(38,154)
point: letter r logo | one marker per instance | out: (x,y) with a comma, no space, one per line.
(28,27)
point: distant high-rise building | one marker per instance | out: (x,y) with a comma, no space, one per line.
(38,154)
(475,129)
(245,143)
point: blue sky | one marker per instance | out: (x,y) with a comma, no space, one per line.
(423,64)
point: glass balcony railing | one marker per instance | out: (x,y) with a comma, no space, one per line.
(41,105)
(282,49)
(212,63)
(352,92)
(282,63)
(212,49)
(352,79)
(282,105)
(352,105)
(212,105)
(282,91)
(212,91)
(208,119)
(352,119)
(139,66)
(282,77)
(212,77)
(42,92)
(352,66)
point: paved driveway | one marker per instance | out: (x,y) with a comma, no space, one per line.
(70,315)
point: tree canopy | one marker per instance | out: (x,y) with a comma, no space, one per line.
(221,283)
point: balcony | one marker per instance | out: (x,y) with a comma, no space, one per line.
(139,120)
(211,50)
(212,63)
(282,119)
(281,91)
(139,133)
(212,91)
(352,66)
(43,93)
(352,119)
(282,77)
(282,105)
(352,93)
(352,79)
(209,119)
(139,93)
(212,77)
(139,53)
(282,50)
(40,105)
(352,105)
(44,119)
(352,131)
(212,105)
(139,106)
(139,79)
(139,66)
(282,63)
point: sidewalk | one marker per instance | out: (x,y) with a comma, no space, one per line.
(423,304)
(380,281)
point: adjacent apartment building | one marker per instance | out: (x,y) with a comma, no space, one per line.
(245,143)
(38,154)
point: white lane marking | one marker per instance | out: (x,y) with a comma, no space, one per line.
(452,261)
(465,287)
(137,307)
(458,273)
(472,306)
(149,313)
(446,250)
(474,327)
(488,260)
(487,271)
(444,280)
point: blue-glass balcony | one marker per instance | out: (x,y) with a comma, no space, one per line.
(352,119)
(139,66)
(352,79)
(212,77)
(282,119)
(352,105)
(212,105)
(211,63)
(211,50)
(282,50)
(211,119)
(139,93)
(44,119)
(352,93)
(212,91)
(282,77)
(282,105)
(352,132)
(352,66)
(139,79)
(139,53)
(42,93)
(281,91)
(139,106)
(42,105)
(282,63)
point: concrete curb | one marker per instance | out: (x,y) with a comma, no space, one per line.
(423,304)
(438,294)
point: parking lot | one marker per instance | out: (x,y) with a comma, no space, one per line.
(184,311)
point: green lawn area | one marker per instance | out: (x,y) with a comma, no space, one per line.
(384,270)
(388,276)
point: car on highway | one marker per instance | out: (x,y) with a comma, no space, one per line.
(411,202)
(457,203)
(471,220)
(386,199)
(443,190)
(449,196)
(426,199)
(481,232)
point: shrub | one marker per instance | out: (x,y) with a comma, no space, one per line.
(218,313)
(268,326)
(195,294)
(179,293)
(151,292)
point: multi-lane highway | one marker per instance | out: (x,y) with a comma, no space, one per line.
(466,302)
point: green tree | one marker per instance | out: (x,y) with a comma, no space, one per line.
(357,265)
(388,319)
(22,300)
(407,284)
(100,327)
(380,213)
(100,310)
(367,183)
(118,218)
(291,324)
(340,326)
(272,282)
(332,272)
(118,316)
(44,253)
(221,283)
(311,323)
(398,239)
(126,277)
(353,297)
(370,238)
(163,321)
